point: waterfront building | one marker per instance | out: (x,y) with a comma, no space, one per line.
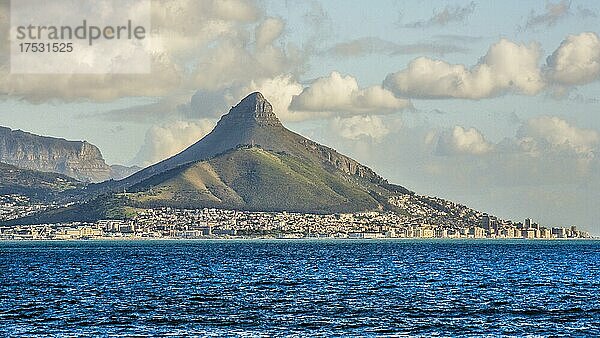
(476,232)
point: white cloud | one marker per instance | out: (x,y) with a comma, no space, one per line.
(231,63)
(463,141)
(279,92)
(576,61)
(268,31)
(37,88)
(506,68)
(537,137)
(543,134)
(341,94)
(356,127)
(195,44)
(165,141)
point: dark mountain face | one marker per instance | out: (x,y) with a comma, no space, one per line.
(80,160)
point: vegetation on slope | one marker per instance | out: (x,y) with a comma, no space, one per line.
(255,179)
(37,185)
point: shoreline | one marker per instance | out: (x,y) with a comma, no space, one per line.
(272,239)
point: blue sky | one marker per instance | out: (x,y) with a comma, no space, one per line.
(518,143)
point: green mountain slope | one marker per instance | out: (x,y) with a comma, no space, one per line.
(252,178)
(37,185)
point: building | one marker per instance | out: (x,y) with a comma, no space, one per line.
(476,232)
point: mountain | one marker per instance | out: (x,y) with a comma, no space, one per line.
(249,161)
(119,172)
(39,186)
(253,123)
(77,159)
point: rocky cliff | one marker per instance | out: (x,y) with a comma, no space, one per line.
(77,159)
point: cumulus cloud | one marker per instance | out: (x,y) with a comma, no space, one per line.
(331,96)
(294,102)
(357,127)
(165,141)
(543,134)
(445,16)
(462,141)
(268,31)
(39,88)
(507,67)
(166,74)
(537,137)
(341,94)
(279,91)
(195,44)
(553,13)
(576,61)
(373,45)
(231,63)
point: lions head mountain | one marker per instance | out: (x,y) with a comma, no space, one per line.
(249,161)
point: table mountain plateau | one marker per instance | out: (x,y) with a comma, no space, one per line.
(80,160)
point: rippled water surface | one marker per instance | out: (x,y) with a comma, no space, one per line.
(299,288)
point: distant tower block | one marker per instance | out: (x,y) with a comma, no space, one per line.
(485,222)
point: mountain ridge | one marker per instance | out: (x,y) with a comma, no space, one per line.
(77,159)
(40,186)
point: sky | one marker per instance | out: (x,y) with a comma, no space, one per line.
(491,104)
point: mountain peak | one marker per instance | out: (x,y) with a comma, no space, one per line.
(257,102)
(254,107)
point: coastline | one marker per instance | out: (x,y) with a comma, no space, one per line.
(306,239)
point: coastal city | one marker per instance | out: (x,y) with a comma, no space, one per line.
(450,221)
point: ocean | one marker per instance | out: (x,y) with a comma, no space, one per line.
(300,288)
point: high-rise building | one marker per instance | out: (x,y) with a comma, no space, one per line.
(494,226)
(485,222)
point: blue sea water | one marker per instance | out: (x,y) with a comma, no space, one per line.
(300,288)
